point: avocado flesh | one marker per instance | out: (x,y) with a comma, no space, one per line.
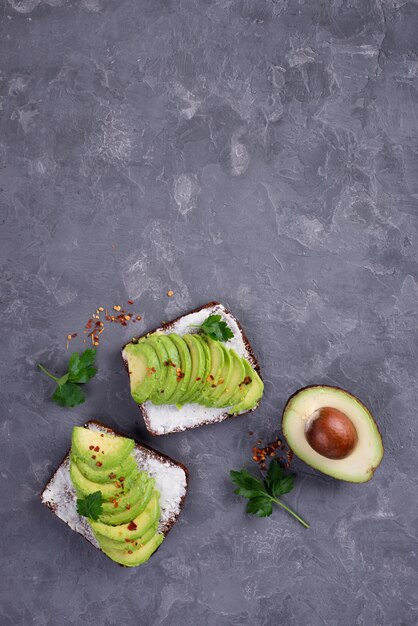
(217,360)
(207,361)
(252,391)
(144,370)
(157,396)
(137,557)
(131,496)
(131,544)
(198,363)
(102,476)
(233,393)
(185,366)
(357,467)
(143,521)
(171,364)
(110,490)
(93,447)
(122,516)
(222,380)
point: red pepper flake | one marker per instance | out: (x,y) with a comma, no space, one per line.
(102,435)
(121,478)
(91,447)
(128,507)
(139,318)
(97,449)
(246,381)
(130,301)
(170,293)
(99,463)
(93,456)
(116,504)
(112,476)
(198,378)
(274,449)
(132,526)
(130,552)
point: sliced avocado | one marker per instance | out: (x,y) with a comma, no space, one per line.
(157,396)
(196,396)
(143,368)
(99,449)
(109,490)
(136,557)
(123,515)
(185,368)
(171,364)
(253,390)
(129,545)
(233,393)
(100,475)
(333,432)
(222,381)
(129,497)
(198,360)
(138,526)
(217,359)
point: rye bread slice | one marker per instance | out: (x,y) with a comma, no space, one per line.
(171,479)
(165,419)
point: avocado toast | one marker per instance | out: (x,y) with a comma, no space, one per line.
(155,490)
(190,379)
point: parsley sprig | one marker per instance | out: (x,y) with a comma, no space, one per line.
(91,505)
(216,328)
(262,494)
(80,369)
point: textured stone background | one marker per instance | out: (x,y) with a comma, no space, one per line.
(263,153)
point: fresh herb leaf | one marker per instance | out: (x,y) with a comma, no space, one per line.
(80,369)
(262,494)
(69,394)
(91,505)
(216,328)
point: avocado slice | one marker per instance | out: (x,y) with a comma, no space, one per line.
(253,390)
(144,370)
(171,363)
(217,360)
(102,476)
(129,497)
(120,515)
(233,393)
(129,545)
(98,449)
(333,432)
(143,521)
(185,368)
(157,396)
(198,361)
(212,398)
(109,490)
(136,557)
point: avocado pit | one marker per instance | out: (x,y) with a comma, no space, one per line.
(331,433)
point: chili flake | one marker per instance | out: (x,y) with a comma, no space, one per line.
(170,293)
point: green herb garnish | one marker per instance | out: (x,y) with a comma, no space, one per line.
(80,370)
(91,505)
(262,494)
(216,328)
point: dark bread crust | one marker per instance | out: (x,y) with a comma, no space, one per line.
(148,451)
(166,326)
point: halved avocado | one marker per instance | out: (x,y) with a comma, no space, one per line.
(185,368)
(103,476)
(233,392)
(333,432)
(99,449)
(252,387)
(136,557)
(137,527)
(198,361)
(170,364)
(109,490)
(129,545)
(144,370)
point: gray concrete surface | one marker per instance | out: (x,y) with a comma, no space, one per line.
(262,153)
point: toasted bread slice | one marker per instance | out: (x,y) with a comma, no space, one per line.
(164,419)
(170,478)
